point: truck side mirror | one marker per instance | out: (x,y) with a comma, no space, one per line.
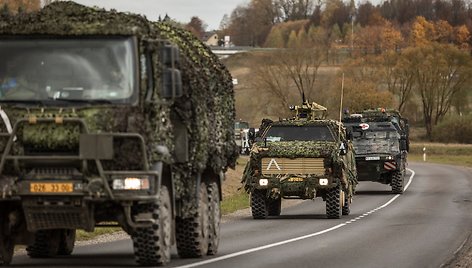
(171,77)
(403,145)
(349,135)
(169,55)
(171,83)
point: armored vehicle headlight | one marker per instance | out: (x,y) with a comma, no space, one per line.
(263,182)
(131,183)
(323,182)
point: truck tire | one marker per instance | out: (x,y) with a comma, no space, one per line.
(45,244)
(7,245)
(333,203)
(67,242)
(152,245)
(214,213)
(274,207)
(193,233)
(259,206)
(347,205)
(397,182)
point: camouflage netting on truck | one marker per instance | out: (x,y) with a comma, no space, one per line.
(207,107)
(206,74)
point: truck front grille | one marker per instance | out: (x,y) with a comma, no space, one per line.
(272,166)
(50,216)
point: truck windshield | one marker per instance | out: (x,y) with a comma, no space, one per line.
(63,70)
(299,133)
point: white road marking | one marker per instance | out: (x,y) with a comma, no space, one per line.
(251,250)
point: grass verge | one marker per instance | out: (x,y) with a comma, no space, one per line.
(83,235)
(238,200)
(452,154)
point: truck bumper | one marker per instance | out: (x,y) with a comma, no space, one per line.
(293,186)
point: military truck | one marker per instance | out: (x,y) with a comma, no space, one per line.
(110,119)
(381,144)
(301,158)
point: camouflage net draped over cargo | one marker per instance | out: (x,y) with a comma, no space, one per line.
(207,107)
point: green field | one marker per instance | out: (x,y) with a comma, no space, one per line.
(452,154)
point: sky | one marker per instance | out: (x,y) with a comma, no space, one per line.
(210,11)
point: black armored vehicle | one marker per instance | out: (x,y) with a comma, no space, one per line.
(381,144)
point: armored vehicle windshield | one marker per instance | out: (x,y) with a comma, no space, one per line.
(376,141)
(55,71)
(299,133)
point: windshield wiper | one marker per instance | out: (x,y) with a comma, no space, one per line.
(29,102)
(92,101)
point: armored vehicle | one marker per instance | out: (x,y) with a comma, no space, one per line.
(110,119)
(301,158)
(381,143)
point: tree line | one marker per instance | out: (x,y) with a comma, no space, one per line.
(251,24)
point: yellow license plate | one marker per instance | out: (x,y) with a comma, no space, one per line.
(295,179)
(51,187)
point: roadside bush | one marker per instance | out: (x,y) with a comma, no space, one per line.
(454,129)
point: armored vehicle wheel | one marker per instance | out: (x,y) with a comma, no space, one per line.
(333,203)
(67,242)
(347,204)
(397,182)
(214,212)
(46,244)
(259,206)
(274,207)
(193,233)
(7,245)
(152,244)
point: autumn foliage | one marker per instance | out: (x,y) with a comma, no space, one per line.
(21,5)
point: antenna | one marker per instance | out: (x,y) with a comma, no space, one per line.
(341,107)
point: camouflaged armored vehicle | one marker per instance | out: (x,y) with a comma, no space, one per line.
(381,144)
(301,158)
(109,119)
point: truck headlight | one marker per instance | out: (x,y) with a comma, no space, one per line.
(263,182)
(131,183)
(389,157)
(323,182)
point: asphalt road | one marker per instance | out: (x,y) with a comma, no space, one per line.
(421,228)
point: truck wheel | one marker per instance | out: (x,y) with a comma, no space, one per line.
(193,233)
(274,207)
(67,242)
(152,244)
(347,205)
(214,218)
(397,182)
(259,206)
(333,202)
(7,245)
(46,244)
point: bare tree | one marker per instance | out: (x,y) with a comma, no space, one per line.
(399,78)
(441,72)
(288,74)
